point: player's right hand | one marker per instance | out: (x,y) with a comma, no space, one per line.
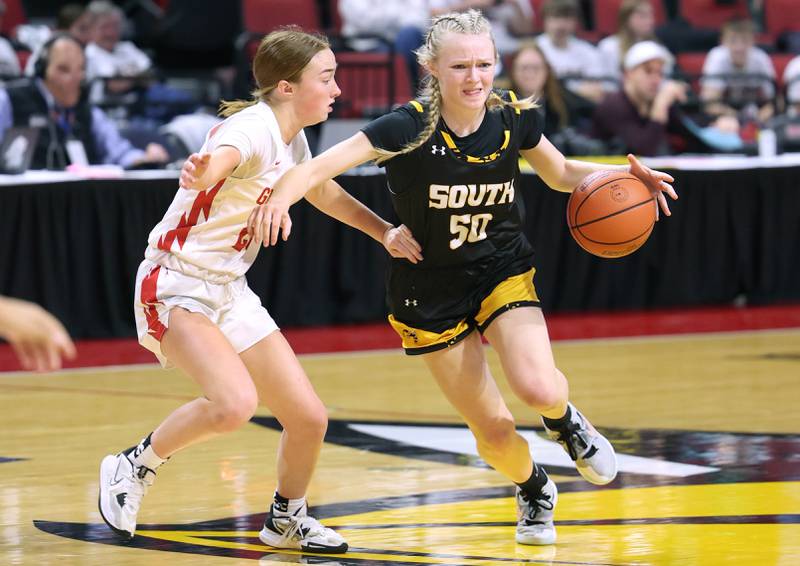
(193,169)
(400,243)
(268,220)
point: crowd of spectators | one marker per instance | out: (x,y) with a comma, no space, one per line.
(147,70)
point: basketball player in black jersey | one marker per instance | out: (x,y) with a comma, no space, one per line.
(452,166)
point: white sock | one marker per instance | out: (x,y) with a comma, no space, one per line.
(285,507)
(144,455)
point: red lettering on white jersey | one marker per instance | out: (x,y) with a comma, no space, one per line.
(243,241)
(202,203)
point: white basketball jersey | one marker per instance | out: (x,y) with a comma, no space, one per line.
(203,234)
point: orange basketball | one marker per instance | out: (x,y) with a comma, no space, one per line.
(611,213)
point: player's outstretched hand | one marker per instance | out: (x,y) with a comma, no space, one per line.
(399,242)
(657,181)
(193,169)
(269,220)
(38,338)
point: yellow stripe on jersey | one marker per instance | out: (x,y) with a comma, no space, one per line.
(513,98)
(448,139)
(417,106)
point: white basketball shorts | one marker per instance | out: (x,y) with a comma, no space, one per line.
(233,307)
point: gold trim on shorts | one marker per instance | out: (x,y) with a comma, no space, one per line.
(516,291)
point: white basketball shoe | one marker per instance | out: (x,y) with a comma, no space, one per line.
(122,486)
(592,453)
(535,515)
(300,531)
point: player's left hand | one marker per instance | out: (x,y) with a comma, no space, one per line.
(657,181)
(269,220)
(399,242)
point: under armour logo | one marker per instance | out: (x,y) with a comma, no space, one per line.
(437,150)
(410,302)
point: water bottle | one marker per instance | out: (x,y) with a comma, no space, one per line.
(767,143)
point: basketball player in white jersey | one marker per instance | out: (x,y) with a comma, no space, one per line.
(194,309)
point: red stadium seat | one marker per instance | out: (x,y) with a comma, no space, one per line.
(780,61)
(781,16)
(710,13)
(14,16)
(691,64)
(537,14)
(371,83)
(336,19)
(605,15)
(22,56)
(263,16)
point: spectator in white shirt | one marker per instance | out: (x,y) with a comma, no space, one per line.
(791,78)
(636,21)
(400,23)
(738,77)
(569,56)
(107,55)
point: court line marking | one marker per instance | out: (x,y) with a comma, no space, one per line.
(387,351)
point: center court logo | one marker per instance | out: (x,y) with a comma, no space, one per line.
(726,487)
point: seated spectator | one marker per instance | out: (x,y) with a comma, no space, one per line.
(71,129)
(564,112)
(9,62)
(106,54)
(73,19)
(400,23)
(569,56)
(644,113)
(636,21)
(76,20)
(791,78)
(511,19)
(738,77)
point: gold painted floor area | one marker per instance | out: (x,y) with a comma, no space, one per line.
(651,395)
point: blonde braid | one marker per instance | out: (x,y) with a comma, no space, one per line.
(433,95)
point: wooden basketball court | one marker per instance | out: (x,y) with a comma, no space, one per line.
(706,425)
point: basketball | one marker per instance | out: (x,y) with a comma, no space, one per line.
(611,213)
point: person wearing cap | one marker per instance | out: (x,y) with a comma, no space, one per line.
(644,114)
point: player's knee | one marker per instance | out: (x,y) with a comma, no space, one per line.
(316,423)
(497,436)
(543,398)
(311,424)
(544,394)
(232,413)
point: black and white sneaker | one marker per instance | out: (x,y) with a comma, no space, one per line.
(592,453)
(122,486)
(535,515)
(300,532)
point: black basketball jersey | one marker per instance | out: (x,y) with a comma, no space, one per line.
(459,196)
